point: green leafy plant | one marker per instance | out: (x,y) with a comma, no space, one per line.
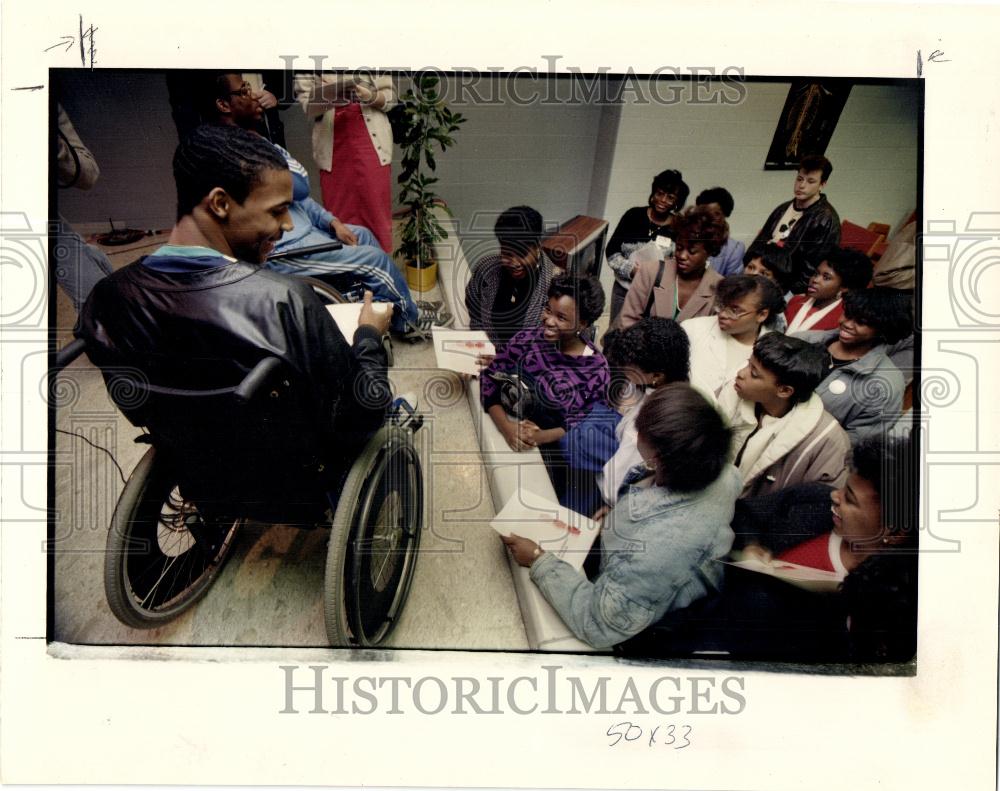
(423,122)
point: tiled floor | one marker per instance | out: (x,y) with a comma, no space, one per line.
(270,592)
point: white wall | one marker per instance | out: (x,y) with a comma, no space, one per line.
(512,153)
(873,151)
(563,159)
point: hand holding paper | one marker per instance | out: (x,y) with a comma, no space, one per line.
(566,534)
(459,350)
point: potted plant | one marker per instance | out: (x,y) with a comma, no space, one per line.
(422,120)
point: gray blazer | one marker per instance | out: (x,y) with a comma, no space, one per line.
(863,396)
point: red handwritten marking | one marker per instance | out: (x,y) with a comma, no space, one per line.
(573,531)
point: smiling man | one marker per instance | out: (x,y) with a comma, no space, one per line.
(360,263)
(807,225)
(201,311)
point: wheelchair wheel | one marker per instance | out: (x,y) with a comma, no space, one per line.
(325,291)
(162,556)
(373,541)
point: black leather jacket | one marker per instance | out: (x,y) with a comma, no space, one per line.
(816,231)
(207,328)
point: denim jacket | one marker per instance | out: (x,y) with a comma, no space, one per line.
(657,555)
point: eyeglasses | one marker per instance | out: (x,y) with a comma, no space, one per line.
(731,313)
(246,91)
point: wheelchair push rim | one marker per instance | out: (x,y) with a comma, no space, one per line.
(162,555)
(374,541)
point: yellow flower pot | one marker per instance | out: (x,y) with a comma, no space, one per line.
(423,279)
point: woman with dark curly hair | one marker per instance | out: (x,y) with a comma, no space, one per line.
(681,286)
(643,358)
(864,388)
(565,372)
(641,225)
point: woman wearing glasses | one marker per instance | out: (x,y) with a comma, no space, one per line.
(747,307)
(641,225)
(680,286)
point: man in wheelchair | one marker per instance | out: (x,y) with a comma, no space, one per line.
(254,402)
(201,312)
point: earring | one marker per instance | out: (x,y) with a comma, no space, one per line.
(649,465)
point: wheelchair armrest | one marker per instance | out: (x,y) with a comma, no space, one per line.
(69,353)
(254,380)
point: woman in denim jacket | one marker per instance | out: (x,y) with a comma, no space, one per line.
(659,543)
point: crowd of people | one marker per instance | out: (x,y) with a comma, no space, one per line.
(743,398)
(734,381)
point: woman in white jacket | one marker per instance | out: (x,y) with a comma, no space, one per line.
(747,307)
(352,145)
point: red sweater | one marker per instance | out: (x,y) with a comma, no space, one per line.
(830,321)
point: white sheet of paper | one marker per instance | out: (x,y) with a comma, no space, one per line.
(456,350)
(530,516)
(346,314)
(811,579)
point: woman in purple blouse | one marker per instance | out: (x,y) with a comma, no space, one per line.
(566,373)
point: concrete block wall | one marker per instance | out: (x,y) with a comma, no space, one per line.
(563,159)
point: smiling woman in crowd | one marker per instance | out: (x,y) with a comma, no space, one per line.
(563,370)
(864,389)
(641,225)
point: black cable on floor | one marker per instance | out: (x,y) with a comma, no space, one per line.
(99,447)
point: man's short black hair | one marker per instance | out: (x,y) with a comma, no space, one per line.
(853,268)
(654,345)
(221,156)
(671,181)
(689,435)
(718,195)
(816,162)
(586,292)
(888,310)
(794,363)
(520,227)
(769,296)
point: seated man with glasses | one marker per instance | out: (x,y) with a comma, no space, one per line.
(359,261)
(748,306)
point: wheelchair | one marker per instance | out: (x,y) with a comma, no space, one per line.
(222,457)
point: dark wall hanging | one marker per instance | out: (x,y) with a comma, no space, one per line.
(807,121)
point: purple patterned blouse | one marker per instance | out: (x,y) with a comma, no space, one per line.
(573,384)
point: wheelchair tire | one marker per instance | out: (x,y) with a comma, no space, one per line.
(325,291)
(162,556)
(374,540)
